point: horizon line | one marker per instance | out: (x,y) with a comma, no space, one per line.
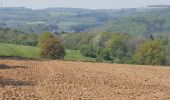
(85,8)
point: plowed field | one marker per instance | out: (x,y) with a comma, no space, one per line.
(62,80)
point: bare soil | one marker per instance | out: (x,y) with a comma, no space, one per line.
(62,80)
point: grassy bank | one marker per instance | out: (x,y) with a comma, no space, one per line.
(76,55)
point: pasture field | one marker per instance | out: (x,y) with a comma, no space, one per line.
(69,80)
(11,50)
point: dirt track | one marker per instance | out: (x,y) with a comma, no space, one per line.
(58,80)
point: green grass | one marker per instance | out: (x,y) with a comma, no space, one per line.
(11,50)
(76,55)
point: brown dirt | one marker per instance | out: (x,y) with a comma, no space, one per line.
(62,80)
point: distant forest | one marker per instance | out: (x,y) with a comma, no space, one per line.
(136,21)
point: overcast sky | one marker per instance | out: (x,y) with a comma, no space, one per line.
(91,4)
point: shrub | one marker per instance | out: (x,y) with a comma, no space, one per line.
(105,54)
(88,51)
(151,53)
(99,59)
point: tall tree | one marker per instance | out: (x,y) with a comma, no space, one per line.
(117,47)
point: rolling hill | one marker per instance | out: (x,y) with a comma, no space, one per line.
(57,19)
(146,21)
(136,21)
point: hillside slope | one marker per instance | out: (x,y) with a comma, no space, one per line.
(136,21)
(49,80)
(56,19)
(145,21)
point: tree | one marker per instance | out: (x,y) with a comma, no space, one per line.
(43,38)
(101,39)
(151,53)
(117,47)
(50,47)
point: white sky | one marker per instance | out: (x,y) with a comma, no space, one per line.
(91,4)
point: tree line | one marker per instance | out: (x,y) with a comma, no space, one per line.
(104,47)
(120,47)
(13,36)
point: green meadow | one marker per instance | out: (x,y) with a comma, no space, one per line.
(11,50)
(31,52)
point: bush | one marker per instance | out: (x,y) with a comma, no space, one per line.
(50,47)
(151,53)
(99,59)
(105,54)
(88,51)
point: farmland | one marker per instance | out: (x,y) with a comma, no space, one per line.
(68,80)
